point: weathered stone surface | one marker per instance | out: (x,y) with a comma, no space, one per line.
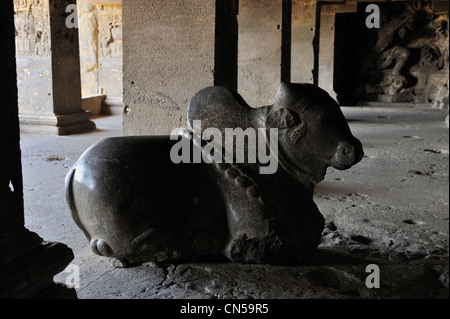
(94,104)
(338,273)
(100,32)
(253,219)
(303,33)
(34,67)
(168,56)
(326,53)
(32,28)
(88,35)
(259,50)
(28,265)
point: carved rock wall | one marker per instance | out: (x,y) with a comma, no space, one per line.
(33,57)
(32,28)
(100,34)
(100,30)
(405,60)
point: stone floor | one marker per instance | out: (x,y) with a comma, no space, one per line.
(391,210)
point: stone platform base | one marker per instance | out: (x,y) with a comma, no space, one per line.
(112,106)
(57,124)
(93,103)
(28,265)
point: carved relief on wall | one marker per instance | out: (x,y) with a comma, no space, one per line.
(110,31)
(304,3)
(411,57)
(100,35)
(306,13)
(32,27)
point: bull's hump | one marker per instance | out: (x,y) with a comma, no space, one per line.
(218,107)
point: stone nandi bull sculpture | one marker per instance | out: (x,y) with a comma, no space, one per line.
(133,203)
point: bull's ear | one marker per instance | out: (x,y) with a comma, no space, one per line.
(298,133)
(282,118)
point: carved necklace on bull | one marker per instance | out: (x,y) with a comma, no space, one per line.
(232,171)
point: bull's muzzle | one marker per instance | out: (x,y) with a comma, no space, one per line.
(347,154)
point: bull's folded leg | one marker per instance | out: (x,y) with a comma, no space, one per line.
(261,233)
(276,246)
(256,235)
(309,230)
(271,249)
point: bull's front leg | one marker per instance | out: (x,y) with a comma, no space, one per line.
(258,231)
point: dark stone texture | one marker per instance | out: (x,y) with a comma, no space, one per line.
(27,263)
(11,189)
(135,204)
(226,44)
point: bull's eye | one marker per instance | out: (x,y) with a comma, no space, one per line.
(321,118)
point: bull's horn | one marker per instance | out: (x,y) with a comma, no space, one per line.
(292,96)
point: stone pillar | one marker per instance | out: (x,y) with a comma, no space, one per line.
(168,56)
(259,54)
(326,52)
(27,263)
(49,69)
(11,189)
(226,44)
(303,32)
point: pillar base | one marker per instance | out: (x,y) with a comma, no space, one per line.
(57,124)
(112,106)
(29,264)
(93,103)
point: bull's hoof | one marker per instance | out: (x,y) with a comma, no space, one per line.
(124,263)
(100,247)
(267,250)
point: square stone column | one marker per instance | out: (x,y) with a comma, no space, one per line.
(226,44)
(303,33)
(326,52)
(259,53)
(48,66)
(168,56)
(27,263)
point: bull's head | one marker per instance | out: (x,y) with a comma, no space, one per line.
(313,132)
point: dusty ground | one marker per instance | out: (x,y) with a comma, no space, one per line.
(391,210)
